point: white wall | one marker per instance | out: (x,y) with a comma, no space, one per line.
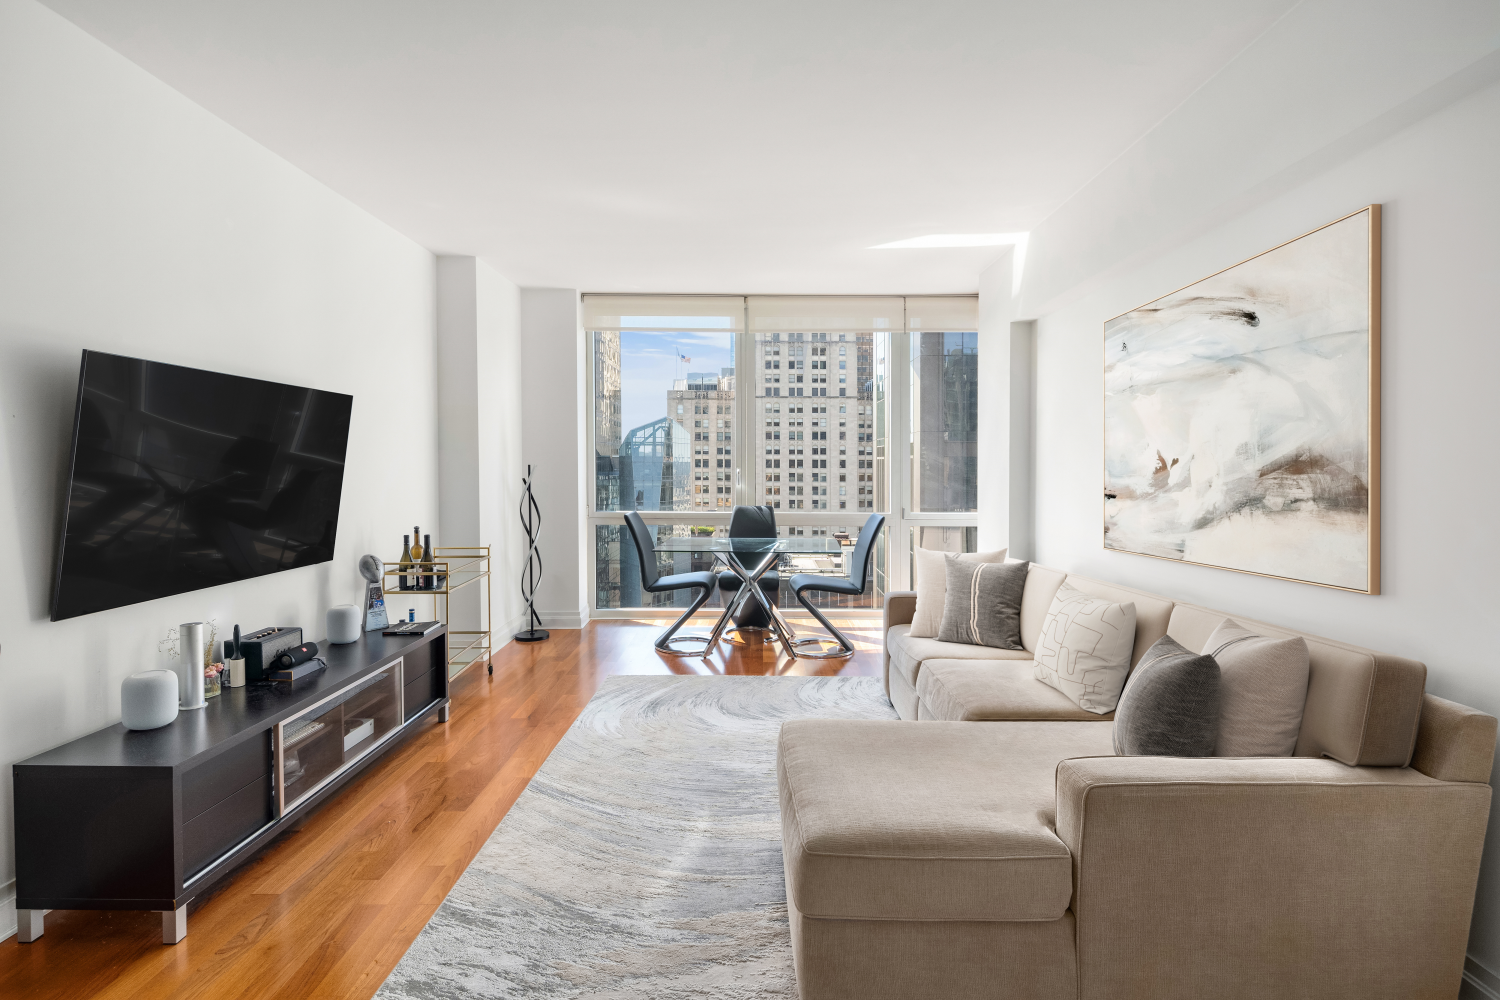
(554,361)
(133,221)
(1441,346)
(479,413)
(1005,362)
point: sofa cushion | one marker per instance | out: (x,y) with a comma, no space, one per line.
(1170,708)
(932,586)
(946,821)
(908,653)
(1152,611)
(993,690)
(1363,707)
(983,604)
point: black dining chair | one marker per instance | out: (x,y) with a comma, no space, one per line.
(653,583)
(852,586)
(751,522)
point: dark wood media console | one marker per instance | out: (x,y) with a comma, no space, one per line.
(122,820)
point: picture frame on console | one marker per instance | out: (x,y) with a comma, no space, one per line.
(1242,415)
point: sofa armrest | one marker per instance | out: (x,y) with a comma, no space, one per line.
(1300,875)
(900,607)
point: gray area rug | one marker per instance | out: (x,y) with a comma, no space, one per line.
(644,859)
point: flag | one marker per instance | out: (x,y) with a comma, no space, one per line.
(684,357)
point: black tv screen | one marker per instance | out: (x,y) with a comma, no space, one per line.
(182,479)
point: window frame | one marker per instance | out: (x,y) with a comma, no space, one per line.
(892,405)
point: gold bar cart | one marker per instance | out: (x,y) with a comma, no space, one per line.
(456,566)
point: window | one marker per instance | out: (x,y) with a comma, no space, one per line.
(813,417)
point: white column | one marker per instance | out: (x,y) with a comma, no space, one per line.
(554,361)
(479,419)
(997,419)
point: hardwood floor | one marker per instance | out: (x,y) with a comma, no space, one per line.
(328,911)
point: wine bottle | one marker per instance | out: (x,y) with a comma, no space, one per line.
(404,581)
(428,581)
(416,557)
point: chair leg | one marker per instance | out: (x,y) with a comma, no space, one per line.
(670,635)
(846,648)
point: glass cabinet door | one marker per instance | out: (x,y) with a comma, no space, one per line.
(313,746)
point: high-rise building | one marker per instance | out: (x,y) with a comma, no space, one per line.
(945,390)
(814,395)
(703,405)
(607,420)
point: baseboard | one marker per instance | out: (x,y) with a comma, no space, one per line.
(1479,983)
(8,923)
(562,619)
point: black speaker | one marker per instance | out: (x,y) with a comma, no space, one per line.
(289,658)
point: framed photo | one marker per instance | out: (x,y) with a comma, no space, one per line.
(1242,415)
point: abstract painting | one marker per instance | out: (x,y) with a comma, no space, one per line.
(1242,415)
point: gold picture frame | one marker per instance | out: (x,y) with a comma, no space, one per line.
(1242,431)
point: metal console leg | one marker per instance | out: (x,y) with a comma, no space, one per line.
(29,925)
(173,925)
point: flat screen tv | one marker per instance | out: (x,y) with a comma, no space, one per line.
(182,479)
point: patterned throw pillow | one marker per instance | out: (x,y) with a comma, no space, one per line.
(983,603)
(1170,707)
(1084,649)
(932,587)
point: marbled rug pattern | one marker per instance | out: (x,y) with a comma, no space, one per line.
(644,858)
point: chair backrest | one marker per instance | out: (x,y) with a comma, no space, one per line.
(752,522)
(644,547)
(864,550)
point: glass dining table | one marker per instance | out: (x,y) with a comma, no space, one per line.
(750,559)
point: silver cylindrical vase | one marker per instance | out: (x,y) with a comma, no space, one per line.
(192,640)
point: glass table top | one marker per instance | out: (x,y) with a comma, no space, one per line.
(751,546)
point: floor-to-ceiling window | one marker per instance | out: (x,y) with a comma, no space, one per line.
(705,402)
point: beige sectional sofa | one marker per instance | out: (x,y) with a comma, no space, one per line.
(1019,858)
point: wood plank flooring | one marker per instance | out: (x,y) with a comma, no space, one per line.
(328,911)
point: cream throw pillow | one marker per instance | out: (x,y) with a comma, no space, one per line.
(1084,649)
(1262,691)
(932,588)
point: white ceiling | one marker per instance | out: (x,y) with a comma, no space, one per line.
(692,146)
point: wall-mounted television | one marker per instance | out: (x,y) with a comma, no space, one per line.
(181,479)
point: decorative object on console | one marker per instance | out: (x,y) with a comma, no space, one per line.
(1170,705)
(982,604)
(192,641)
(261,648)
(211,680)
(1084,648)
(1242,415)
(343,624)
(148,700)
(531,571)
(372,569)
(1263,691)
(932,587)
(235,661)
(403,581)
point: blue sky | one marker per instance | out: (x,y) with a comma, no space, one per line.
(648,364)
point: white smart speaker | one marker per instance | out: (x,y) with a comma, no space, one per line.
(148,700)
(343,623)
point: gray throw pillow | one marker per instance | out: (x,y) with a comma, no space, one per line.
(1170,706)
(983,603)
